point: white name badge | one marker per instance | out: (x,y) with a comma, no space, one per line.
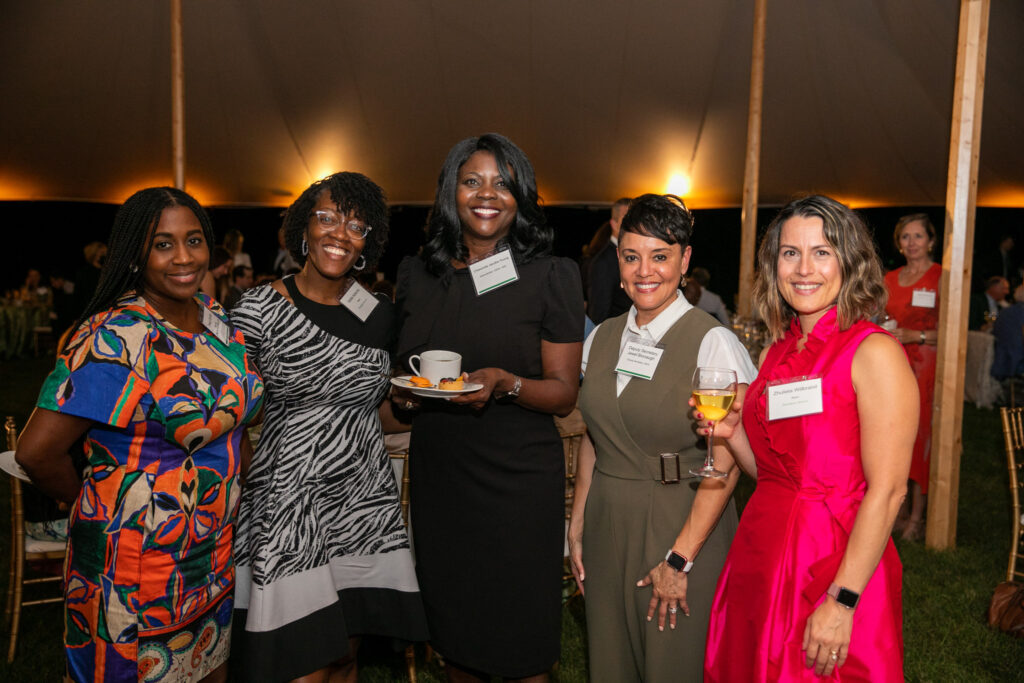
(217,327)
(794,399)
(359,301)
(493,272)
(639,360)
(923,298)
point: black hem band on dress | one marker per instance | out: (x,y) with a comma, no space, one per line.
(320,638)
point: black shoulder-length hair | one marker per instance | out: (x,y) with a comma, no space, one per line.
(131,239)
(529,237)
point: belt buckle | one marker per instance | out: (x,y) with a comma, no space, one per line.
(670,464)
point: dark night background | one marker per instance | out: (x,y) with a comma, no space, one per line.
(50,235)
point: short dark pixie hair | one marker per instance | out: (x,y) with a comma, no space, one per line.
(351,192)
(529,236)
(662,216)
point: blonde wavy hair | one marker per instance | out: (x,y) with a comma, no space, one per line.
(862,293)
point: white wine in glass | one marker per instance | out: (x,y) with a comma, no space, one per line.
(714,390)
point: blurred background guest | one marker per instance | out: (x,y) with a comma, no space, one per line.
(158,382)
(241,280)
(813,582)
(1008,331)
(985,305)
(217,279)
(233,241)
(914,305)
(626,522)
(605,297)
(323,556)
(284,262)
(87,277)
(488,475)
(709,301)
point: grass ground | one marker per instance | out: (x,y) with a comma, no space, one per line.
(945,596)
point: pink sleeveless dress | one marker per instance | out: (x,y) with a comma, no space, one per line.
(794,530)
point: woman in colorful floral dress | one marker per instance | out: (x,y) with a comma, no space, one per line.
(157,381)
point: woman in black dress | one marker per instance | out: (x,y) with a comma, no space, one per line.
(486,467)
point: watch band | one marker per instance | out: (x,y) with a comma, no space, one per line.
(844,596)
(678,562)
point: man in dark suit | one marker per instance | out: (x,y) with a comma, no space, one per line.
(990,302)
(605,297)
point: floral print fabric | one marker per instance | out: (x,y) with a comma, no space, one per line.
(150,534)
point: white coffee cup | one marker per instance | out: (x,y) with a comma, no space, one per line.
(436,365)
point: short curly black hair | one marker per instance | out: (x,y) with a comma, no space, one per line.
(352,192)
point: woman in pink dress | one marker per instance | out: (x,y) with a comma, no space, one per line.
(914,305)
(812,584)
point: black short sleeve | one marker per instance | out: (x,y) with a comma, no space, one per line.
(563,303)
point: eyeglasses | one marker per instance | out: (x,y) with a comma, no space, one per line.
(331,219)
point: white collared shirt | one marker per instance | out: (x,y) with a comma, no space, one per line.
(719,349)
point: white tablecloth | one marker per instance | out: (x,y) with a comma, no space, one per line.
(979,386)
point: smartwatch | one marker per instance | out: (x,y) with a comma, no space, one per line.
(844,596)
(678,562)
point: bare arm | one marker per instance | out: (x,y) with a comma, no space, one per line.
(584,475)
(555,392)
(887,430)
(712,497)
(389,422)
(43,452)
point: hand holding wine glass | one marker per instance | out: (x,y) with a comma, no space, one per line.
(714,390)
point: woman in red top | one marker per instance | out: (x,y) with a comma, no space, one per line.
(914,305)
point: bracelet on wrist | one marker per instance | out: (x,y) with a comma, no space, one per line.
(924,337)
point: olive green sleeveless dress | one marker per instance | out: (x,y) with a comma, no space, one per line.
(632,519)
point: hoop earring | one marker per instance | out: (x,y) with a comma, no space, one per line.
(134,268)
(360,263)
(305,247)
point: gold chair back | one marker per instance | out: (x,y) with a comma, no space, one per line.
(1013,435)
(20,554)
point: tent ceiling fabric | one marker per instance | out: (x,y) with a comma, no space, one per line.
(607,98)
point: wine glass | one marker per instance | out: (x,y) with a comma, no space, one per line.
(714,390)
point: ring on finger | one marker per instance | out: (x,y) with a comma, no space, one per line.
(673,610)
(833,655)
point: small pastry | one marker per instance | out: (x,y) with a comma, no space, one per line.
(449,384)
(420,381)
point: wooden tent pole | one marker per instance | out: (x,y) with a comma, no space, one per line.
(961,198)
(177,96)
(748,217)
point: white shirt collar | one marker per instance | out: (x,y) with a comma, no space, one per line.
(657,328)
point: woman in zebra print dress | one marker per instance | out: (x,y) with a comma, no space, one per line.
(321,549)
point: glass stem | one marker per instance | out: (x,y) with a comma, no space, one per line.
(710,461)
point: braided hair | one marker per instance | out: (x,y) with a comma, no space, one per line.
(131,239)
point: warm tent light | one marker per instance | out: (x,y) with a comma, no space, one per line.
(678,184)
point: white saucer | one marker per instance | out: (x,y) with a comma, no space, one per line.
(11,467)
(434,392)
